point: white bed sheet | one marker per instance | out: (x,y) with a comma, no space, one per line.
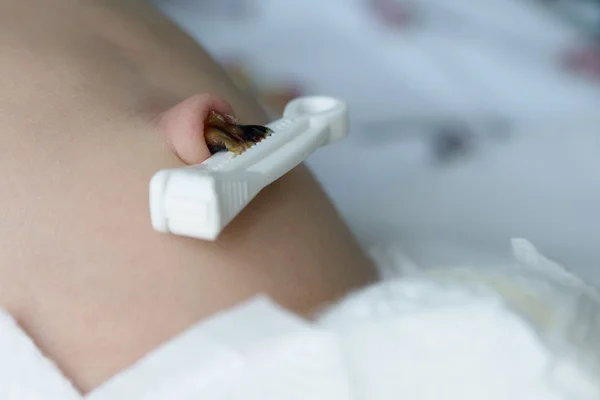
(470,59)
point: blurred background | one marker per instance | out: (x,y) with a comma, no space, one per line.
(472,121)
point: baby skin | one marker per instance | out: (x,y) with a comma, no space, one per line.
(96,97)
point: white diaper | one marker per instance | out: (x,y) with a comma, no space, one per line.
(524,332)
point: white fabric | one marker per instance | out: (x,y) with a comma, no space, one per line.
(474,60)
(529,331)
